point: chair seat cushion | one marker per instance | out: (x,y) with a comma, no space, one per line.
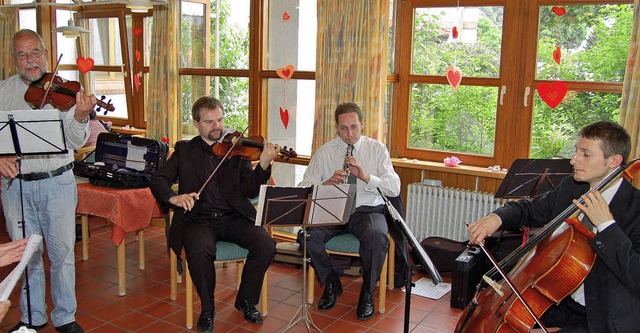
(343,243)
(230,251)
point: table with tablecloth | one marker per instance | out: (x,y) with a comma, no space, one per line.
(128,210)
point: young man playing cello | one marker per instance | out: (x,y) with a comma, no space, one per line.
(609,298)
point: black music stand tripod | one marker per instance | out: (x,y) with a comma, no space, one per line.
(418,252)
(30,133)
(320,205)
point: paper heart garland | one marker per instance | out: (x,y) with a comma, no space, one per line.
(285,16)
(553,93)
(557,55)
(84,64)
(454,76)
(137,31)
(284,116)
(285,73)
(558,10)
(454,32)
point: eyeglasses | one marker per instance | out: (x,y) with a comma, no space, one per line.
(35,53)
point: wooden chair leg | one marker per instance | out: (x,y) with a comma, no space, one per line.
(240,269)
(189,295)
(392,265)
(311,278)
(173,275)
(264,296)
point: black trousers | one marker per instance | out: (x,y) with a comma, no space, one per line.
(568,315)
(200,236)
(369,225)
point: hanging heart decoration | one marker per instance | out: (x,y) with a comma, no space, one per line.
(285,16)
(138,55)
(454,76)
(553,93)
(557,55)
(285,73)
(558,10)
(454,32)
(136,82)
(84,64)
(137,31)
(284,116)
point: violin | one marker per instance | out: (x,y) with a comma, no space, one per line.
(58,92)
(248,148)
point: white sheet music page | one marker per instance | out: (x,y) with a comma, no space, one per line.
(10,281)
(426,288)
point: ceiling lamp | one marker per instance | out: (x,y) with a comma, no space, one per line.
(71,30)
(139,6)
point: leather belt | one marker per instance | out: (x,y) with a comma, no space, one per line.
(44,175)
(212,215)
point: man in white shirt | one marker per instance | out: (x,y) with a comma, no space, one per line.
(48,191)
(368,164)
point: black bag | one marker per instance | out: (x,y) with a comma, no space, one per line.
(122,161)
(443,251)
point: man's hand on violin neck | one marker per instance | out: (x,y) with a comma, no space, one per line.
(269,153)
(84,105)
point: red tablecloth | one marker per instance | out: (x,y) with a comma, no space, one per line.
(128,209)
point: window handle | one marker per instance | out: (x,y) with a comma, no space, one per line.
(527,91)
(124,73)
(503,91)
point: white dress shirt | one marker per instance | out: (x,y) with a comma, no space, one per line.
(372,155)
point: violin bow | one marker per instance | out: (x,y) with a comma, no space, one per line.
(224,158)
(46,93)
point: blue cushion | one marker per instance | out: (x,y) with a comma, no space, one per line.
(343,243)
(230,251)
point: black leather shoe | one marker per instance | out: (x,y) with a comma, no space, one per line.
(20,324)
(332,290)
(205,322)
(71,327)
(251,314)
(365,306)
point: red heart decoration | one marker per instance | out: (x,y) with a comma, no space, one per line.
(558,10)
(454,76)
(454,32)
(84,64)
(284,116)
(285,73)
(285,16)
(137,31)
(553,93)
(557,55)
(138,55)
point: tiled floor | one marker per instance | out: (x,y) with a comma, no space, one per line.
(148,308)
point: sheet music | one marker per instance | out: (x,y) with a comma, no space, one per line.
(426,288)
(135,157)
(331,204)
(7,285)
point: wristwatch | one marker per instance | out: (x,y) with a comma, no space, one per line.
(83,121)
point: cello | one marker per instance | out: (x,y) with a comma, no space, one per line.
(531,286)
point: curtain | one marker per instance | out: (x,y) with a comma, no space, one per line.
(8,27)
(163,107)
(630,105)
(351,64)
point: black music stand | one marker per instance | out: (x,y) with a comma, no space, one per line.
(28,132)
(528,177)
(319,205)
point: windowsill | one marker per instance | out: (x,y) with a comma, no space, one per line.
(132,131)
(440,167)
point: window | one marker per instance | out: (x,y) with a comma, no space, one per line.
(496,114)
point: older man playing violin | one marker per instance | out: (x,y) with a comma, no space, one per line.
(222,210)
(48,192)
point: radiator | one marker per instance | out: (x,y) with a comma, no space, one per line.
(443,211)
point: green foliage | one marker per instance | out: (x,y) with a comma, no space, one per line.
(594,42)
(233,52)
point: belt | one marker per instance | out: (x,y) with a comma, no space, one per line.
(212,215)
(44,175)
